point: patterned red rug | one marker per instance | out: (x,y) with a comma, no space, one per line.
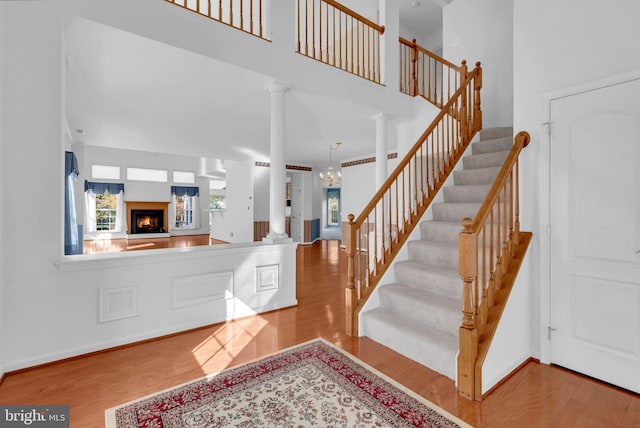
(313,384)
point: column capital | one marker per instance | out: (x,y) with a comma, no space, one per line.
(381,116)
(277,86)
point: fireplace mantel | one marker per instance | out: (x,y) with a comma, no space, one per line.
(143,205)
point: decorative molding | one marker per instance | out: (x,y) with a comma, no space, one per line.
(366,160)
(193,290)
(267,278)
(292,167)
(117,303)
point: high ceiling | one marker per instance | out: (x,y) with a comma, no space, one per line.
(125,91)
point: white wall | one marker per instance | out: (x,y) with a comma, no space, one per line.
(150,18)
(235,223)
(558,45)
(261,198)
(509,347)
(143,191)
(359,185)
(483,31)
(65,302)
(3,181)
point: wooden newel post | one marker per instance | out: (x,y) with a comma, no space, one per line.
(351,293)
(477,114)
(414,68)
(468,270)
(463,103)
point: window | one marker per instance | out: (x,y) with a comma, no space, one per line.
(333,207)
(106,205)
(184,212)
(105,172)
(185,207)
(217,191)
(217,202)
(143,174)
(184,177)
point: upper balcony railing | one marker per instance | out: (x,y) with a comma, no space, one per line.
(245,15)
(426,74)
(334,34)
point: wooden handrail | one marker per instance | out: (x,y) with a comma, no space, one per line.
(438,58)
(425,74)
(331,33)
(374,238)
(225,11)
(487,248)
(355,15)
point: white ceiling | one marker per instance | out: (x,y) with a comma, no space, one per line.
(125,91)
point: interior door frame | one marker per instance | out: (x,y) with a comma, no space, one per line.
(544,195)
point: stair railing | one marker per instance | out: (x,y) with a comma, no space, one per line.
(245,15)
(426,74)
(487,245)
(330,32)
(375,237)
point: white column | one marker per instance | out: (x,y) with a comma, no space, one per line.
(381,148)
(277,172)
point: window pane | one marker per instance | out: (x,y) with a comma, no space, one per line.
(106,212)
(105,172)
(184,177)
(184,212)
(143,174)
(217,202)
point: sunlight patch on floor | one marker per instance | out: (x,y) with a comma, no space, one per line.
(218,350)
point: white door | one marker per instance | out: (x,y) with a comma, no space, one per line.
(296,214)
(595,233)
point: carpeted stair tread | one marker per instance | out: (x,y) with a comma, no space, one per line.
(466,193)
(475,176)
(437,253)
(426,345)
(435,279)
(434,230)
(455,211)
(422,306)
(496,132)
(484,160)
(493,145)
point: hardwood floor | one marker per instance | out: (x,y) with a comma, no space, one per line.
(119,245)
(536,396)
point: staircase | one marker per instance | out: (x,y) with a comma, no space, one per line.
(420,314)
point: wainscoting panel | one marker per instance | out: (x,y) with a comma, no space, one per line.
(267,278)
(261,228)
(196,289)
(311,230)
(117,303)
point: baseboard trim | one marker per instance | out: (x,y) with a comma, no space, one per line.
(510,374)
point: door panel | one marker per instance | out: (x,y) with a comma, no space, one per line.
(595,216)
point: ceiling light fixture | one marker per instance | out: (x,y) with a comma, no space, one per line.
(331,177)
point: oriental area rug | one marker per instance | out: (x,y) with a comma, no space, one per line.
(314,384)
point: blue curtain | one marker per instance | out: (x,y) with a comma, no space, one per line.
(100,188)
(72,231)
(185,190)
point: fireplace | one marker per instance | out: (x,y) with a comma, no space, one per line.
(147,221)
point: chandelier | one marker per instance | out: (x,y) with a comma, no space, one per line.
(330,178)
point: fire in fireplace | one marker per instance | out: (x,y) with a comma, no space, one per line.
(147,221)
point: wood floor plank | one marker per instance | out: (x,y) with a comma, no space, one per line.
(538,395)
